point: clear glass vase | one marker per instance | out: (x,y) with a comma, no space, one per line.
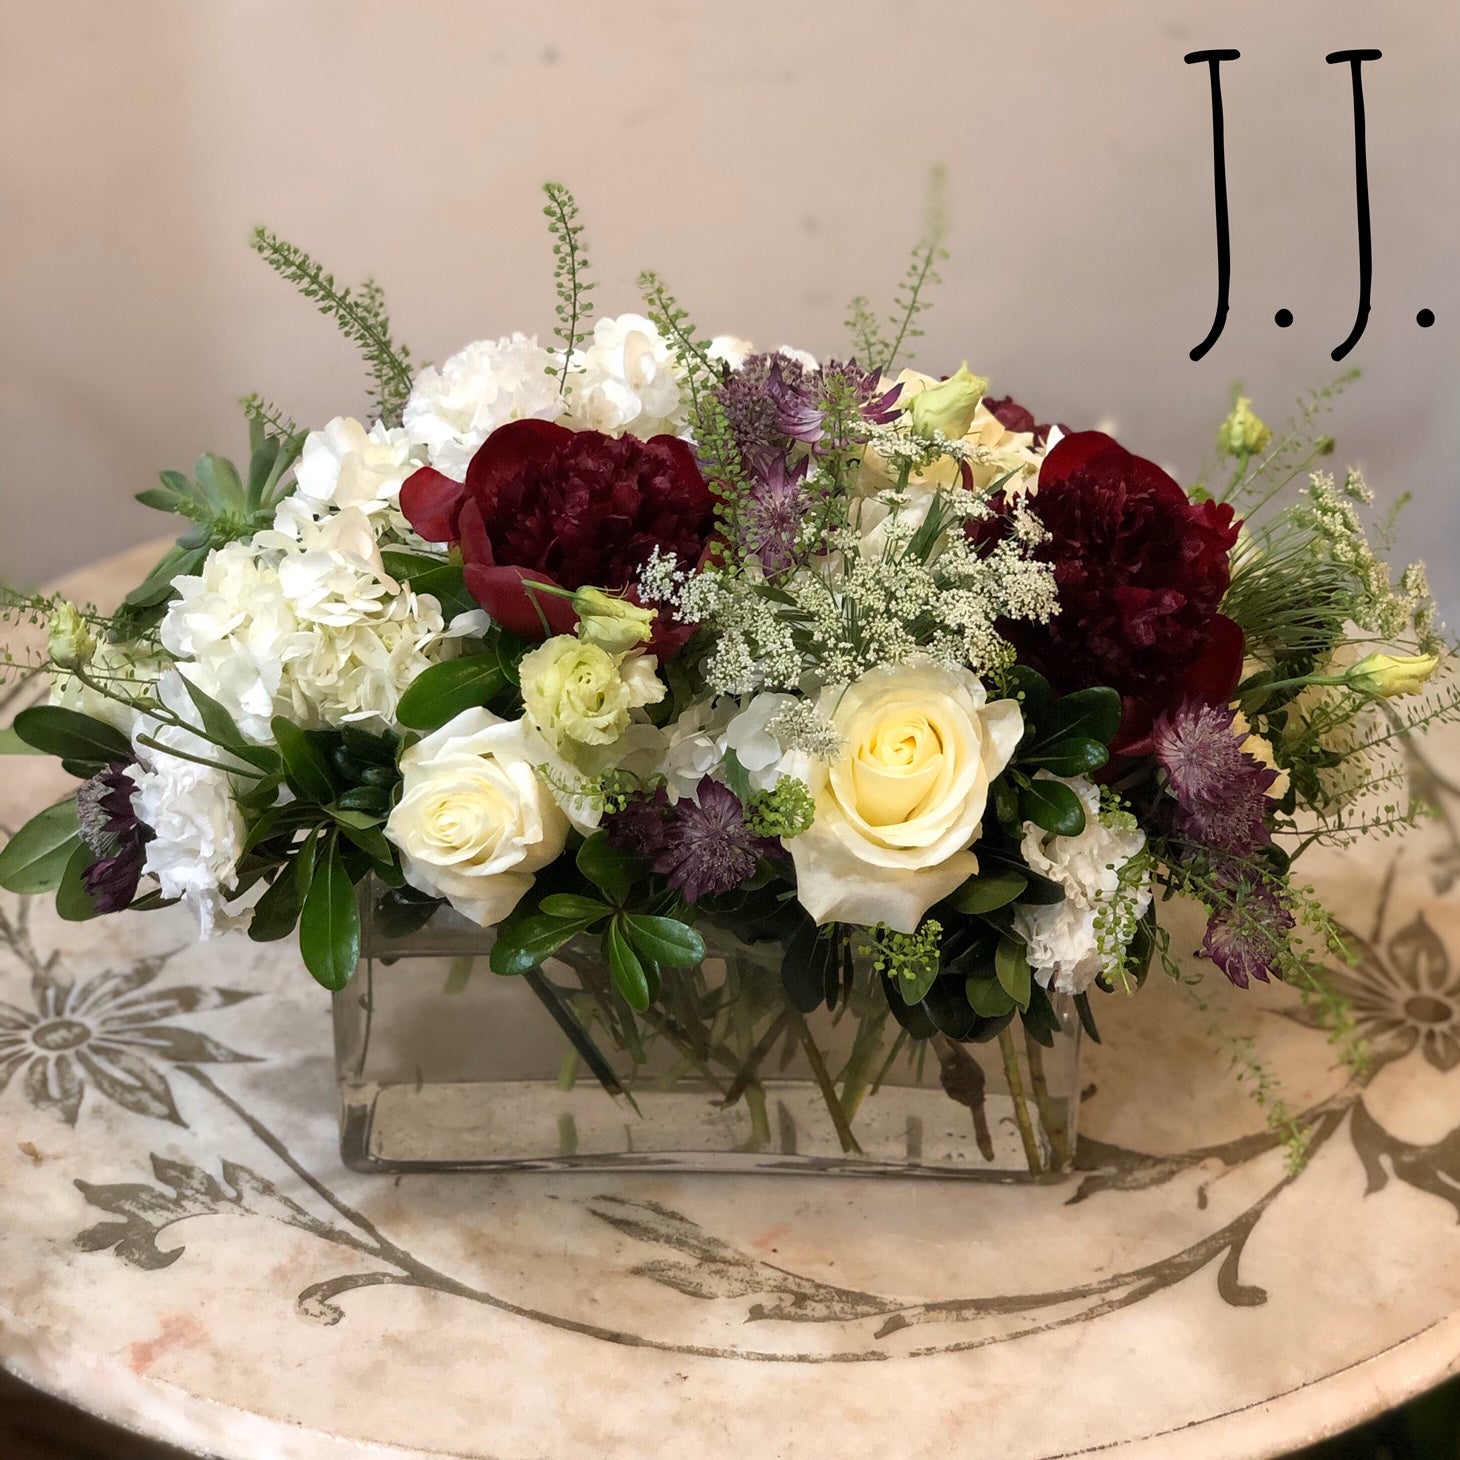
(443,1064)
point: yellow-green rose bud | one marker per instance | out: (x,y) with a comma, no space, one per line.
(1243,433)
(71,643)
(947,408)
(1392,675)
(579,695)
(614,624)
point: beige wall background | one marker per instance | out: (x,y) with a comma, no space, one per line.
(770,159)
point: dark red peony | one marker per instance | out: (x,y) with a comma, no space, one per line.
(1141,572)
(548,505)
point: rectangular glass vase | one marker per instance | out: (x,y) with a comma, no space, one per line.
(442,1064)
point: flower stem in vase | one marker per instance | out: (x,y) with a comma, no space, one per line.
(1049,1116)
(828,1090)
(1021,1105)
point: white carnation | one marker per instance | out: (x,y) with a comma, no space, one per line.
(345,465)
(1064,940)
(197,828)
(305,622)
(627,380)
(455,407)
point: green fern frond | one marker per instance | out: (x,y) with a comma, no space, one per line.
(359,313)
(570,275)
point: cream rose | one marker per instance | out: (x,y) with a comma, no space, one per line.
(474,822)
(897,812)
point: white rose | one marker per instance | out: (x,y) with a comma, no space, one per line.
(474,822)
(898,810)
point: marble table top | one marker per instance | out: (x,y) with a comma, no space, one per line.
(181,1250)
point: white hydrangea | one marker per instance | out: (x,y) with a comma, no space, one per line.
(1073,941)
(693,747)
(197,829)
(751,735)
(455,407)
(344,465)
(734,352)
(627,380)
(305,622)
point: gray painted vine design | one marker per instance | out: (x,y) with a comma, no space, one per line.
(112,1038)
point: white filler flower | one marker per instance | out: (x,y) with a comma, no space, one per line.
(1072,942)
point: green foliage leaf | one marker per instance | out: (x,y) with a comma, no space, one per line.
(1076,755)
(989,890)
(442,580)
(277,911)
(664,940)
(526,939)
(809,967)
(1053,806)
(329,922)
(1093,713)
(607,867)
(625,967)
(35,858)
(988,998)
(73,901)
(305,764)
(572,906)
(1011,968)
(443,691)
(915,990)
(219,727)
(72,735)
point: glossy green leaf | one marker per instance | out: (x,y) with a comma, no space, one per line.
(277,911)
(664,940)
(305,763)
(809,967)
(443,691)
(1011,968)
(527,942)
(988,998)
(443,581)
(34,859)
(329,923)
(1053,806)
(1093,713)
(625,968)
(72,735)
(73,902)
(1076,755)
(608,868)
(571,905)
(988,890)
(219,727)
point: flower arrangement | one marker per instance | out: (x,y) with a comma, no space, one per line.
(639,633)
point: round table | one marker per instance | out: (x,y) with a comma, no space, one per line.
(181,1250)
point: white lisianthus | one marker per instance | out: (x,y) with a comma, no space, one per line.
(1071,942)
(454,408)
(899,808)
(627,381)
(756,748)
(305,622)
(581,698)
(344,465)
(197,829)
(475,822)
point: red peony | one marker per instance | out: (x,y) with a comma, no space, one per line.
(1141,572)
(545,504)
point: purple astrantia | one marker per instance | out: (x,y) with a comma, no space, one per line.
(803,410)
(752,398)
(709,848)
(640,827)
(111,830)
(772,512)
(1220,790)
(1244,938)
